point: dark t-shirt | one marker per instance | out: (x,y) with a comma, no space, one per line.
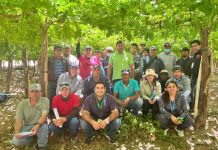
(91,106)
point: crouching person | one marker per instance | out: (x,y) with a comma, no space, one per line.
(174,110)
(100,112)
(67,105)
(31,118)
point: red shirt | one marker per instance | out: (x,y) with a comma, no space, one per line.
(84,67)
(65,107)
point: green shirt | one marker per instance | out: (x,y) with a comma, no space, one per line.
(120,61)
(30,114)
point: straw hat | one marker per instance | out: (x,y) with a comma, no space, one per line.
(150,72)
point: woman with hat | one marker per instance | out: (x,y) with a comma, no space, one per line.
(150,91)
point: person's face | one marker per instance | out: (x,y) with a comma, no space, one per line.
(120,47)
(125,77)
(164,76)
(100,90)
(133,49)
(177,74)
(104,53)
(73,71)
(67,51)
(167,46)
(142,47)
(88,52)
(145,53)
(34,94)
(184,53)
(57,53)
(65,91)
(171,88)
(195,47)
(153,52)
(96,71)
(98,54)
(150,78)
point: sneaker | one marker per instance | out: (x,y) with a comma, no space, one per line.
(165,131)
(74,139)
(180,132)
(89,140)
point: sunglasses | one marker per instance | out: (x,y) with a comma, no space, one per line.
(64,84)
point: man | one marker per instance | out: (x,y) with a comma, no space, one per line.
(127,92)
(100,112)
(31,118)
(56,66)
(67,54)
(118,61)
(89,83)
(144,63)
(71,77)
(136,56)
(185,62)
(67,105)
(155,63)
(142,47)
(163,77)
(183,82)
(169,58)
(85,65)
(105,58)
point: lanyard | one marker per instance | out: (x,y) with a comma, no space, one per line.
(100,104)
(172,106)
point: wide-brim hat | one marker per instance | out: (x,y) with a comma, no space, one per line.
(149,72)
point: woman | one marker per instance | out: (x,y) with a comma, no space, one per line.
(150,91)
(174,110)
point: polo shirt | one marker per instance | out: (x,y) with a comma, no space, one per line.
(91,106)
(59,68)
(120,61)
(30,114)
(65,107)
(126,91)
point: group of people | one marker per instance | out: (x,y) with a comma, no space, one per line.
(89,91)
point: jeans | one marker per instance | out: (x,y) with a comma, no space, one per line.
(135,106)
(72,124)
(112,128)
(165,122)
(42,136)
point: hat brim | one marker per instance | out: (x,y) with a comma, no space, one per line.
(155,75)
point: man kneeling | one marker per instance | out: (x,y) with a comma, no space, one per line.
(67,105)
(100,112)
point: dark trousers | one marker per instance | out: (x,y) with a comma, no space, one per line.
(52,85)
(165,122)
(146,106)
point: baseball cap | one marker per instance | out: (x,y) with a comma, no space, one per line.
(35,86)
(153,48)
(164,71)
(74,64)
(109,48)
(125,71)
(177,67)
(57,47)
(88,47)
(167,44)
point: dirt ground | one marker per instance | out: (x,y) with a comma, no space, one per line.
(202,139)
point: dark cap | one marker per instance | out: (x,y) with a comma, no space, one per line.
(185,49)
(57,47)
(125,71)
(177,67)
(167,44)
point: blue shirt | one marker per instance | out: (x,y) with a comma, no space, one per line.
(126,91)
(59,68)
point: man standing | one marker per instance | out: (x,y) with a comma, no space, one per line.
(56,66)
(67,105)
(67,54)
(72,78)
(89,83)
(169,58)
(84,60)
(118,61)
(127,92)
(185,62)
(105,58)
(100,112)
(31,118)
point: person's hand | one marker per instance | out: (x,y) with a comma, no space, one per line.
(96,125)
(57,122)
(125,102)
(175,120)
(103,124)
(18,136)
(35,129)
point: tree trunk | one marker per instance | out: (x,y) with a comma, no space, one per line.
(201,119)
(43,67)
(1,69)
(9,72)
(25,70)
